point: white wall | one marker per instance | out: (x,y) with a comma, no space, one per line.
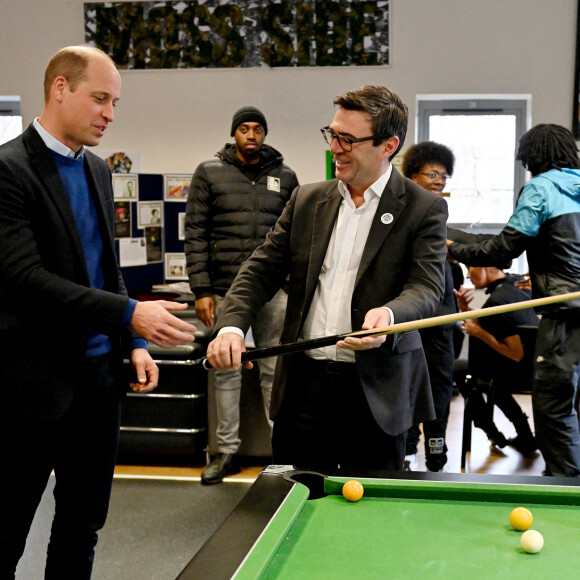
(178,118)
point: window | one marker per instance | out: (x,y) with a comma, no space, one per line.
(10,118)
(483,134)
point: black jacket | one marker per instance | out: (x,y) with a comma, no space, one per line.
(47,307)
(402,267)
(230,209)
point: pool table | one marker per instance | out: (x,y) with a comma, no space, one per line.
(294,524)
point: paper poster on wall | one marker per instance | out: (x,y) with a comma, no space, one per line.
(153,235)
(126,186)
(125,161)
(175,268)
(149,213)
(176,187)
(132,252)
(181,226)
(122,219)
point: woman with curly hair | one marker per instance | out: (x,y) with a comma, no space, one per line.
(430,164)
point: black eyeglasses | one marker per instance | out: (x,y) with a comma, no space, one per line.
(444,176)
(345,142)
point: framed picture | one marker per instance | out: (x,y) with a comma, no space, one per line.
(126,186)
(175,268)
(153,235)
(181,226)
(149,213)
(122,219)
(176,187)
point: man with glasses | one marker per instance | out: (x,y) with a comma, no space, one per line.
(364,250)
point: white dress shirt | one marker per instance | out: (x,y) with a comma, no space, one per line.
(54,144)
(330,311)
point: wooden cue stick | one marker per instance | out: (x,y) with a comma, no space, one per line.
(291,347)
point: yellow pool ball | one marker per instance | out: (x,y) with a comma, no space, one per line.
(521,518)
(352,490)
(532,541)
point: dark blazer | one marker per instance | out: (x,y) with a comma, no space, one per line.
(402,267)
(47,307)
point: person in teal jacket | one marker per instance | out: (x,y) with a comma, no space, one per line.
(546,224)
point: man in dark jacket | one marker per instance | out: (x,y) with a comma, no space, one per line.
(234,200)
(364,250)
(66,321)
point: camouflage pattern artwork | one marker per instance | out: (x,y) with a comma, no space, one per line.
(240,33)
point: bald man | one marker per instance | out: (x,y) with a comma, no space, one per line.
(66,321)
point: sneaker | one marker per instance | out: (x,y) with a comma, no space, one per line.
(497,439)
(410,463)
(525,445)
(440,470)
(221,465)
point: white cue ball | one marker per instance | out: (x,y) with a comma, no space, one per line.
(532,541)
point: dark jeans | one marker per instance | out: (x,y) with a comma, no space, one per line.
(326,424)
(81,449)
(440,354)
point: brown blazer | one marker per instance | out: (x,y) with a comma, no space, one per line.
(402,267)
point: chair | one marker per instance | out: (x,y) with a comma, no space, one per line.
(477,384)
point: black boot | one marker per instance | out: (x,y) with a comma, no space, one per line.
(222,464)
(524,442)
(483,419)
(496,437)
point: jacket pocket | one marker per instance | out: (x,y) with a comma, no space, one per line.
(407,341)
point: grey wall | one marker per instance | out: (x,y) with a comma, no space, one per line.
(178,118)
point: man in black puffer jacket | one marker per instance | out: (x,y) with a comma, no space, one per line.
(234,200)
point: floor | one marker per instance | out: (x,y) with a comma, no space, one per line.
(482,459)
(161,515)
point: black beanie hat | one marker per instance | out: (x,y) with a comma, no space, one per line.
(248,115)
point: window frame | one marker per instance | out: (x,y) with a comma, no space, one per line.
(441,105)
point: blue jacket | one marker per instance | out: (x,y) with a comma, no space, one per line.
(546,224)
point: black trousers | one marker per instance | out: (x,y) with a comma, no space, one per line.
(81,449)
(440,355)
(326,425)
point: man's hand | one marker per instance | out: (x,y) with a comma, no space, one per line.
(205,310)
(154,323)
(146,371)
(225,352)
(375,318)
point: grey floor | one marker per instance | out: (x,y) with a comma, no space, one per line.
(153,530)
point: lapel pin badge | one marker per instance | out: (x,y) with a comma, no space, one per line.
(387,218)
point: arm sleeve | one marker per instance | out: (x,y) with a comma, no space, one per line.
(197,233)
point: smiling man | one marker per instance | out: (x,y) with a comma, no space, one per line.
(364,250)
(234,199)
(66,322)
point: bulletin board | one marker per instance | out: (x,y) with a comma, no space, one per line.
(149,228)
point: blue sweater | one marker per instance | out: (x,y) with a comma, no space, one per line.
(73,176)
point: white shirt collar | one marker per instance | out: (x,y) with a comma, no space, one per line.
(377,187)
(54,144)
